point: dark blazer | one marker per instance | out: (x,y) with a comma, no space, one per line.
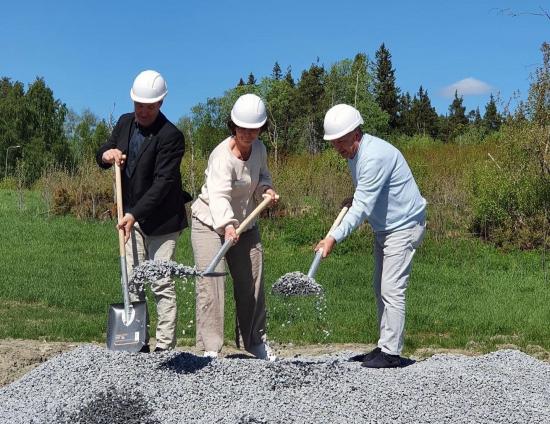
(153,192)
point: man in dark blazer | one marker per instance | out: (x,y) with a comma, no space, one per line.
(150,149)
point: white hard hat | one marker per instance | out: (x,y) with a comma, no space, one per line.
(149,87)
(249,112)
(340,120)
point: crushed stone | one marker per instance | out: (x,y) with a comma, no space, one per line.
(92,384)
(296,284)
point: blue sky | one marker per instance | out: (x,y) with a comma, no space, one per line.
(90,52)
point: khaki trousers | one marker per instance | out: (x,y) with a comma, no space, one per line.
(141,247)
(245,263)
(393,255)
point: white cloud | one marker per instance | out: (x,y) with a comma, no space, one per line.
(467,86)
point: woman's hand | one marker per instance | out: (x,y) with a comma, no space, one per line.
(274,196)
(231,233)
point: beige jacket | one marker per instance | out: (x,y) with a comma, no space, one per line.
(232,187)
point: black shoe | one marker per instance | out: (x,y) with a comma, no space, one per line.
(160,349)
(383,360)
(145,349)
(365,356)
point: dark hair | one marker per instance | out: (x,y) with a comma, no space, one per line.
(232,126)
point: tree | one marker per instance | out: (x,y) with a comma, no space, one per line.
(241,82)
(277,74)
(491,118)
(404,122)
(457,117)
(351,82)
(289,78)
(33,120)
(279,98)
(310,106)
(251,79)
(422,116)
(474,117)
(385,90)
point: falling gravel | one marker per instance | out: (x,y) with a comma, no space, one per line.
(296,284)
(93,385)
(149,271)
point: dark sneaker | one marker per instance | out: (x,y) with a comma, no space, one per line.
(383,360)
(160,349)
(365,356)
(145,349)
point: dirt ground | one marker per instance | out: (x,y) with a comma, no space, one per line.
(18,357)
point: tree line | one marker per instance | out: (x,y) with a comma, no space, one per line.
(48,133)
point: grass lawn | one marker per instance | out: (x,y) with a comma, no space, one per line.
(59,275)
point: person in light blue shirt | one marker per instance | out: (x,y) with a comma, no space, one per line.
(387,197)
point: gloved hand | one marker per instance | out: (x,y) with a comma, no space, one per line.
(347,202)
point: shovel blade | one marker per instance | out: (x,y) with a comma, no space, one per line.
(123,335)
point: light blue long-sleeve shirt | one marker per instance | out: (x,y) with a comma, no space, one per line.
(385,191)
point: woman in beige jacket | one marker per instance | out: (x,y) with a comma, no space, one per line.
(236,178)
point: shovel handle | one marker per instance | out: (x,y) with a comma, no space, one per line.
(338,220)
(119,210)
(319,253)
(228,243)
(121,244)
(254,213)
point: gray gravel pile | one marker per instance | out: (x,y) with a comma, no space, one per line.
(296,284)
(94,385)
(148,271)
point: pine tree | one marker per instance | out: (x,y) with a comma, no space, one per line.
(423,116)
(457,117)
(241,83)
(404,114)
(251,79)
(276,73)
(288,77)
(386,93)
(492,119)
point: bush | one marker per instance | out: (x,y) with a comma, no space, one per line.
(511,192)
(86,194)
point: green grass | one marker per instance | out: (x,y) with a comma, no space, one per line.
(58,276)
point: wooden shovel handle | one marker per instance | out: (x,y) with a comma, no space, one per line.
(338,220)
(119,210)
(254,214)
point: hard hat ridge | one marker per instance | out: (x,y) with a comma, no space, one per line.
(249,112)
(340,120)
(149,87)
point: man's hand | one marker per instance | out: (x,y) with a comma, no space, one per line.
(113,156)
(231,233)
(126,223)
(346,203)
(327,245)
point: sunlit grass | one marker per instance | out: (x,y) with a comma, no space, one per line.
(59,276)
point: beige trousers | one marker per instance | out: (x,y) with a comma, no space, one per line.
(141,247)
(245,263)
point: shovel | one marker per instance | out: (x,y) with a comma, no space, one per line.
(209,271)
(319,253)
(127,325)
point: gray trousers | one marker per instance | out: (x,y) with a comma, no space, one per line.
(141,247)
(393,254)
(245,263)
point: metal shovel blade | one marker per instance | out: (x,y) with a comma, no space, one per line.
(127,335)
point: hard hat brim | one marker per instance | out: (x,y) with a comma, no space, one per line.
(243,124)
(342,133)
(147,100)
